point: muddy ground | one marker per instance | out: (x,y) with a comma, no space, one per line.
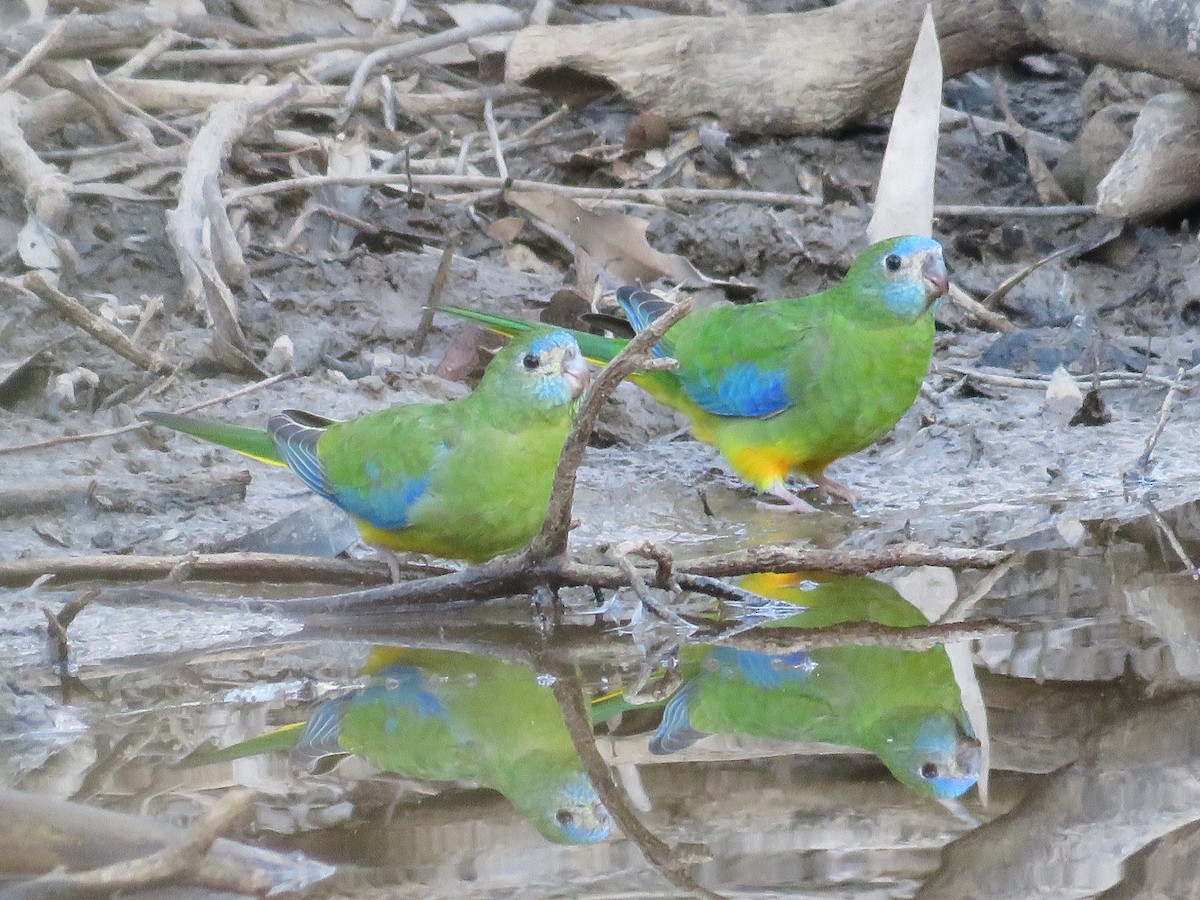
(971,464)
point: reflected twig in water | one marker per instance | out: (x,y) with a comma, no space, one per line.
(1172,538)
(963,605)
(167,864)
(671,862)
(864,634)
(664,577)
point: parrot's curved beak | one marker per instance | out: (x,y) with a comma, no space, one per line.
(576,371)
(935,277)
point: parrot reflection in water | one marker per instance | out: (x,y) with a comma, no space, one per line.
(468,479)
(789,386)
(448,716)
(903,706)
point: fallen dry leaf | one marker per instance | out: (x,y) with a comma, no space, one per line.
(506,230)
(649,129)
(615,242)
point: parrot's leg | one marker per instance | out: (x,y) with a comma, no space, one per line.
(835,489)
(793,503)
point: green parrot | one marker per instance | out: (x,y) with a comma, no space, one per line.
(790,386)
(903,706)
(468,479)
(448,716)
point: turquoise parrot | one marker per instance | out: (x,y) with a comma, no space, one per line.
(789,386)
(468,479)
(903,706)
(449,716)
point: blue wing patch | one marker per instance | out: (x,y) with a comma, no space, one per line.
(385,506)
(743,390)
(761,669)
(676,733)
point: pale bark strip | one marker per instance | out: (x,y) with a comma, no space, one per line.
(904,195)
(199,228)
(45,189)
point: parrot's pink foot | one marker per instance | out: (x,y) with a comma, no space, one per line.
(792,503)
(835,489)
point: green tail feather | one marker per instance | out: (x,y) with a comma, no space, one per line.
(253,442)
(280,739)
(596,349)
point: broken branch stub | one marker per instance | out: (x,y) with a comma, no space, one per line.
(1159,172)
(783,73)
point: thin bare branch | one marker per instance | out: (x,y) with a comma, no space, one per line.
(230,567)
(37,52)
(656,196)
(786,558)
(507,21)
(551,540)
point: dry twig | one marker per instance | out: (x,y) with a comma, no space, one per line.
(37,52)
(247,568)
(134,426)
(79,315)
(435,294)
(506,21)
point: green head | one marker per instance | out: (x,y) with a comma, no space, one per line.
(902,276)
(562,805)
(542,369)
(931,751)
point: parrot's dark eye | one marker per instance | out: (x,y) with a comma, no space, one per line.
(929,771)
(531,361)
(563,817)
(891,262)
